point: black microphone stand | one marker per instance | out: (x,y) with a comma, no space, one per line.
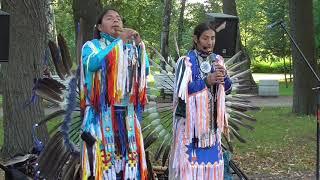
(317,89)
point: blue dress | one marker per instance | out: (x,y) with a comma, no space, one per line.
(196,152)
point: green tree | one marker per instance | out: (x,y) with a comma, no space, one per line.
(277,44)
(65,23)
(180,23)
(166,29)
(251,24)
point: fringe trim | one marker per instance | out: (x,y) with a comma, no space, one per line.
(182,168)
(195,171)
(222,119)
(185,77)
(198,119)
(141,152)
(143,82)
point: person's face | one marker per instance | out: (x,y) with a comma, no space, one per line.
(206,41)
(111,23)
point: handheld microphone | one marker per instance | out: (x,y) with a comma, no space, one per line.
(270,26)
(212,58)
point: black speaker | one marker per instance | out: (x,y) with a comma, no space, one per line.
(4,36)
(226,39)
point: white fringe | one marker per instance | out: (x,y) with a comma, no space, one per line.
(187,77)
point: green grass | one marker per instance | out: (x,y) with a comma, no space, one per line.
(281,143)
(285,91)
(1,99)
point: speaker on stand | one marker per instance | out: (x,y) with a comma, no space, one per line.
(226,39)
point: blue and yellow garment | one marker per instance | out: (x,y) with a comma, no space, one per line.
(113,93)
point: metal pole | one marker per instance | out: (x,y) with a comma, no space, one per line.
(318,119)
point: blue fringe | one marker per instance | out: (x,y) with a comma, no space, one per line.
(103,83)
(122,132)
(33,97)
(70,108)
(38,145)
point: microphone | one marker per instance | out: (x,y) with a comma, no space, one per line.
(270,26)
(212,58)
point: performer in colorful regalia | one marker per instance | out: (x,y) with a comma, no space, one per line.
(201,83)
(113,93)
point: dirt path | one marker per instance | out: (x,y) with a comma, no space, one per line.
(280,101)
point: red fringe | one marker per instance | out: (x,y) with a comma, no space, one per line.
(83,99)
(95,93)
(143,97)
(143,171)
(111,76)
(134,96)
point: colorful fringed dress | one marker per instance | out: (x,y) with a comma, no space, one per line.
(199,120)
(113,94)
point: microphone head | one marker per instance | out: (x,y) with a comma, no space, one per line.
(212,58)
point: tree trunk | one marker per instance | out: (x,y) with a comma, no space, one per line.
(285,72)
(302,28)
(165,30)
(28,29)
(86,12)
(51,33)
(230,7)
(180,23)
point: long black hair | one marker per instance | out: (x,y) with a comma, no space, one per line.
(200,28)
(96,33)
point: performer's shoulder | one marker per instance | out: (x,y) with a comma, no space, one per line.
(91,45)
(93,41)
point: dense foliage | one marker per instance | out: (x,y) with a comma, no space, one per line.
(146,17)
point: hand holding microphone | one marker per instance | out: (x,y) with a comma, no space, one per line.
(219,72)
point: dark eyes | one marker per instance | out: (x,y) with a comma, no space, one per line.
(113,18)
(207,38)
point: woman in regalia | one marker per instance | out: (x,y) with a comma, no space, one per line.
(113,92)
(201,83)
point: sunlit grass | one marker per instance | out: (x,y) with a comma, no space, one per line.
(282,142)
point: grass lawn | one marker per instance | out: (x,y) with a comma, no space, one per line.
(284,90)
(281,143)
